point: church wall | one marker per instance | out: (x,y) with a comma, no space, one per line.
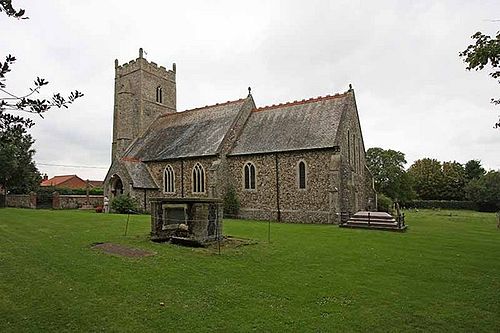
(157,169)
(259,204)
(355,189)
(310,205)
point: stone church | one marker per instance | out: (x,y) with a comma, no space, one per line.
(302,161)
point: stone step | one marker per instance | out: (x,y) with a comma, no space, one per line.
(374,227)
(354,219)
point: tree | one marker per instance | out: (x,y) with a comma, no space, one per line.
(486,50)
(17,169)
(387,168)
(453,181)
(10,101)
(473,170)
(18,173)
(427,178)
(6,6)
(485,191)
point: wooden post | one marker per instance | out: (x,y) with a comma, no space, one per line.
(87,185)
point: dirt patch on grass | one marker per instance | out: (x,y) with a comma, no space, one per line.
(122,250)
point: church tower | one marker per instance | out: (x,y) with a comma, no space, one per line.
(143,91)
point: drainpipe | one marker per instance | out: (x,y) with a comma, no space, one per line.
(277,188)
(182,178)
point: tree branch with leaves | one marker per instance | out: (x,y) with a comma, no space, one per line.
(18,171)
(485,51)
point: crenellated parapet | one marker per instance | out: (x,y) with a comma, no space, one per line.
(142,63)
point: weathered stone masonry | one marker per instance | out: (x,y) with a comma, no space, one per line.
(323,133)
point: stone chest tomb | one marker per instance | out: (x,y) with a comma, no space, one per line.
(192,221)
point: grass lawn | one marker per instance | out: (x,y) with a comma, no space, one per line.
(441,275)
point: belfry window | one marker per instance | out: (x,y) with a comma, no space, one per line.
(301,173)
(198,179)
(159,94)
(249,176)
(169,180)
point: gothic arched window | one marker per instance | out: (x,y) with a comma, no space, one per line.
(198,179)
(159,94)
(249,176)
(354,152)
(301,174)
(169,180)
(349,146)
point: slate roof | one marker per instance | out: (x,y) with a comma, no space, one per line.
(306,124)
(192,133)
(139,173)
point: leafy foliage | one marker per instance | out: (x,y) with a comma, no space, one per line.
(485,191)
(435,181)
(6,6)
(10,101)
(387,168)
(124,204)
(384,203)
(231,202)
(453,181)
(486,50)
(18,172)
(441,204)
(69,191)
(473,170)
(427,178)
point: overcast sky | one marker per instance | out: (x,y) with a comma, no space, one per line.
(412,90)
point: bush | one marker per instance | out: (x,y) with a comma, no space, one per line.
(124,204)
(231,202)
(384,203)
(485,191)
(441,204)
(69,191)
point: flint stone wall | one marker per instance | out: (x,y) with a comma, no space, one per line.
(18,201)
(77,201)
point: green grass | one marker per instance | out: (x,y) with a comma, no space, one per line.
(442,275)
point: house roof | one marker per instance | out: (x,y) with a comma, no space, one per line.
(58,180)
(299,125)
(96,183)
(191,133)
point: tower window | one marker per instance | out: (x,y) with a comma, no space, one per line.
(159,94)
(302,175)
(169,180)
(198,179)
(249,176)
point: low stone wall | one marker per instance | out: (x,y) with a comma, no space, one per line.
(58,201)
(19,201)
(76,201)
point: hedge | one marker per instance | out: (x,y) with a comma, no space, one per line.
(442,204)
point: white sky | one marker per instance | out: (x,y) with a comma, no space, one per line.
(413,92)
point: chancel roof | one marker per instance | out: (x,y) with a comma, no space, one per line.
(299,125)
(192,133)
